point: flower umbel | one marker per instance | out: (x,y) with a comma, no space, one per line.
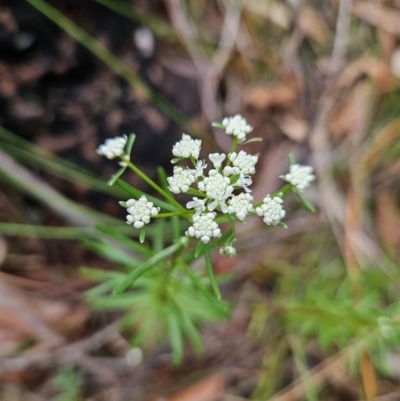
(271,210)
(181,180)
(113,147)
(140,211)
(242,163)
(237,126)
(241,205)
(204,227)
(300,176)
(218,188)
(187,147)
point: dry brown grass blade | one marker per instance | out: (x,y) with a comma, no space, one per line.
(380,144)
(368,376)
(316,378)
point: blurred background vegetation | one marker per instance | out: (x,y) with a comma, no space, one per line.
(314,309)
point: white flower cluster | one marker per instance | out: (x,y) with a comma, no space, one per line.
(229,173)
(237,126)
(223,188)
(181,180)
(271,210)
(140,211)
(187,147)
(113,147)
(204,227)
(300,176)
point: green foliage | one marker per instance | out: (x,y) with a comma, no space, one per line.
(67,383)
(170,300)
(362,313)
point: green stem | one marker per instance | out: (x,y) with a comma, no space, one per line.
(149,181)
(210,271)
(162,215)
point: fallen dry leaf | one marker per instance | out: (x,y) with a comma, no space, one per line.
(262,97)
(294,128)
(205,390)
(381,17)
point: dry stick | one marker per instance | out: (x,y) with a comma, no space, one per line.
(68,353)
(209,71)
(341,37)
(36,187)
(33,324)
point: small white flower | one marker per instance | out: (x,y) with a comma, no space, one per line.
(241,205)
(181,180)
(229,251)
(198,171)
(140,211)
(204,227)
(300,176)
(187,147)
(218,188)
(113,147)
(242,163)
(217,159)
(237,126)
(198,205)
(271,210)
(244,182)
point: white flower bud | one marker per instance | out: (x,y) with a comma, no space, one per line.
(229,251)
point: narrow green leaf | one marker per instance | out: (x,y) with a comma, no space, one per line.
(176,227)
(158,235)
(217,125)
(175,337)
(176,160)
(124,239)
(199,249)
(136,193)
(305,202)
(210,271)
(130,143)
(150,263)
(91,273)
(162,176)
(282,225)
(142,235)
(192,332)
(292,159)
(123,204)
(115,177)
(111,252)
